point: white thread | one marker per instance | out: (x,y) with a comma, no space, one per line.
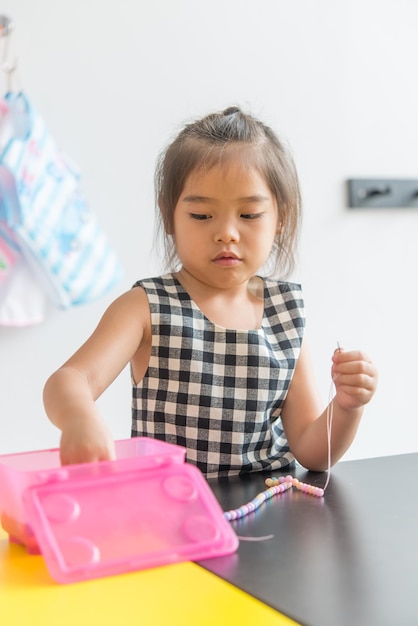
(265,538)
(330,415)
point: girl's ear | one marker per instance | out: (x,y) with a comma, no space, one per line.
(281,226)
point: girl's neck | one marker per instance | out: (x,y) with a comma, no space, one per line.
(238,308)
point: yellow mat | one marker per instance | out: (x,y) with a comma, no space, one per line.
(183,594)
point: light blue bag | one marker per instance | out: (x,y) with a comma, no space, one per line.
(56,231)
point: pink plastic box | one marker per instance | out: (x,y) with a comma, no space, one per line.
(22,470)
(146,508)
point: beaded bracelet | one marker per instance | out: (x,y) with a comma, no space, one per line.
(275,486)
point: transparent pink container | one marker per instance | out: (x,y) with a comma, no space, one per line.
(22,470)
(147,508)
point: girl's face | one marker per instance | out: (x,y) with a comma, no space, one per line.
(225,223)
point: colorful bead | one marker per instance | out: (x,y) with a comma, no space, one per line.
(257,501)
(310,489)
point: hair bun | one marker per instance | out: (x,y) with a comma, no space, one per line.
(232,110)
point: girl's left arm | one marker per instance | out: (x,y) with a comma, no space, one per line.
(355,379)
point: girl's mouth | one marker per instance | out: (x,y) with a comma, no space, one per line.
(226,259)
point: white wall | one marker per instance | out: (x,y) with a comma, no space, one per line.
(337,80)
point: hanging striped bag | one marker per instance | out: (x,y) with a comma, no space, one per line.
(55,229)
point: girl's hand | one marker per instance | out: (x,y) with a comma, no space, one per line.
(355,378)
(85,440)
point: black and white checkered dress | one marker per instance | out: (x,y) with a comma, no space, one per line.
(219,392)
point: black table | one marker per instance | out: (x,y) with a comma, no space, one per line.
(348,559)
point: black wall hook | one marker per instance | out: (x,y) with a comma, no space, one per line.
(381,192)
(365,193)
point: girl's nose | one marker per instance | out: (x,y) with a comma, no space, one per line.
(227,232)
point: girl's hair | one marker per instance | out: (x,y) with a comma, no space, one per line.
(215,140)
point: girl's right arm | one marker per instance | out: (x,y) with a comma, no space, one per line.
(70,394)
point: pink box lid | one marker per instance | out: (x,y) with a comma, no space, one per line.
(89,527)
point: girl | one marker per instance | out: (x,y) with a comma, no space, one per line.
(216,351)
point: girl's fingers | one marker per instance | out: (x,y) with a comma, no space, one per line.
(355,368)
(355,380)
(340,356)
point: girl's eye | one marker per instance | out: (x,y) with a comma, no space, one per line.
(251,216)
(199,216)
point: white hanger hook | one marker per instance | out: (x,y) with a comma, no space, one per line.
(8,65)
